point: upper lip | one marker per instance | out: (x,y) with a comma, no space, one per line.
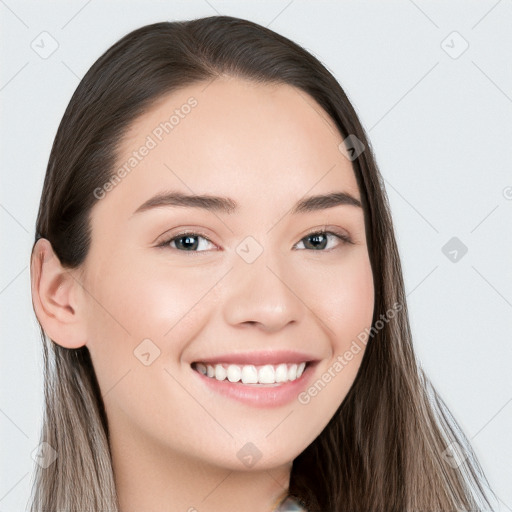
(260,357)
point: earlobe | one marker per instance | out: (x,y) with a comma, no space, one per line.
(54,297)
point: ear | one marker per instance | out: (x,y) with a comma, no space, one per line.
(55,297)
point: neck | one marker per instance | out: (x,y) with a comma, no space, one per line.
(152,479)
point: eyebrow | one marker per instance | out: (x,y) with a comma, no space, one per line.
(228,205)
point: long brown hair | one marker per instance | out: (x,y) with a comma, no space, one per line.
(385,447)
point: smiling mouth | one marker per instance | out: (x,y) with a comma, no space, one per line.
(248,374)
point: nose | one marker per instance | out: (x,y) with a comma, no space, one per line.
(261,294)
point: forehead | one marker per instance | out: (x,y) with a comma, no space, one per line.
(257,142)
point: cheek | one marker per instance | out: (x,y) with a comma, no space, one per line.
(345,305)
(157,302)
(165,305)
(352,305)
(342,296)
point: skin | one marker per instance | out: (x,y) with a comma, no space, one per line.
(174,442)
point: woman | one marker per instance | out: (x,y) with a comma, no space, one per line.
(273,368)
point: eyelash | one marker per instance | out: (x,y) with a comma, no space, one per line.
(165,244)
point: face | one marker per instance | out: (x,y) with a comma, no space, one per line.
(179,281)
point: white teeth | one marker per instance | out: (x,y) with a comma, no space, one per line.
(282,373)
(266,374)
(250,374)
(220,372)
(234,373)
(292,372)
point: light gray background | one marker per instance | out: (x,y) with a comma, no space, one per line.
(441,128)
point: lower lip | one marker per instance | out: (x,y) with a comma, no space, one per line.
(262,396)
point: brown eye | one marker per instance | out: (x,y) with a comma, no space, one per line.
(185,242)
(318,240)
